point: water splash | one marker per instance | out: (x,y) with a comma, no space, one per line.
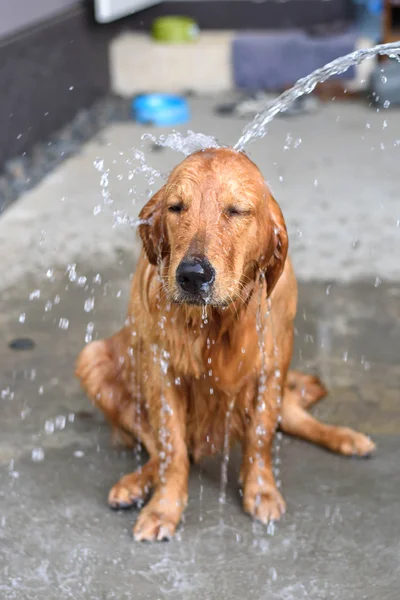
(185,144)
(257,127)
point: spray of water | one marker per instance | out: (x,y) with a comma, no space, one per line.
(257,127)
(185,144)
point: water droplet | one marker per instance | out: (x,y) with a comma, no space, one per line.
(35,295)
(99,164)
(49,427)
(81,281)
(22,318)
(7,394)
(271,528)
(79,453)
(71,87)
(37,454)
(60,422)
(386,104)
(89,332)
(63,323)
(89,304)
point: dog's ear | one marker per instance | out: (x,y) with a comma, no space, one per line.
(273,260)
(152,230)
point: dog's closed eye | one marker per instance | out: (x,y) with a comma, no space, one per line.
(236,211)
(176,208)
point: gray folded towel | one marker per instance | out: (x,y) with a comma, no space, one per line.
(276,60)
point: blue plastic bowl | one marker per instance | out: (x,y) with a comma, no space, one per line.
(160,109)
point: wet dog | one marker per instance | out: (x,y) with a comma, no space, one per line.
(209,336)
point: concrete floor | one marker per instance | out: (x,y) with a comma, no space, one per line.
(340,536)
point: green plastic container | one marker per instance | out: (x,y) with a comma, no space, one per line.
(174,30)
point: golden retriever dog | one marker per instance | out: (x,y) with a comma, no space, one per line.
(207,344)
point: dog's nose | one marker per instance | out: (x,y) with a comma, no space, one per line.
(195,275)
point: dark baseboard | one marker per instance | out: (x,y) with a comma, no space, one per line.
(247,14)
(48,73)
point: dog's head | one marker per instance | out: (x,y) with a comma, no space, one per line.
(213,228)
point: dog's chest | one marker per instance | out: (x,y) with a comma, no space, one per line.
(215,417)
(225,358)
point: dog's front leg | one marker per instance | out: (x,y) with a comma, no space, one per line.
(261,498)
(167,412)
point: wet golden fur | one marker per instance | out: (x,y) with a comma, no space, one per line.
(176,372)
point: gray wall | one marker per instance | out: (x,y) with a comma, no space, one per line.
(17,14)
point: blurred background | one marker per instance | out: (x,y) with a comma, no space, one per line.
(59,56)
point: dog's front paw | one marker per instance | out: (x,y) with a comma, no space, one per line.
(154,526)
(133,488)
(125,496)
(263,501)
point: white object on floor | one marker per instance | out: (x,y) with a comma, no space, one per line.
(139,64)
(363,70)
(109,10)
(253,105)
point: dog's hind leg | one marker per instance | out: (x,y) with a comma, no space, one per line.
(302,391)
(309,388)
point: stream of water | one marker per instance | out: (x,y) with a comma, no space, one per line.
(257,127)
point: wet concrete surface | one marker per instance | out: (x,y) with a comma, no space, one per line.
(340,537)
